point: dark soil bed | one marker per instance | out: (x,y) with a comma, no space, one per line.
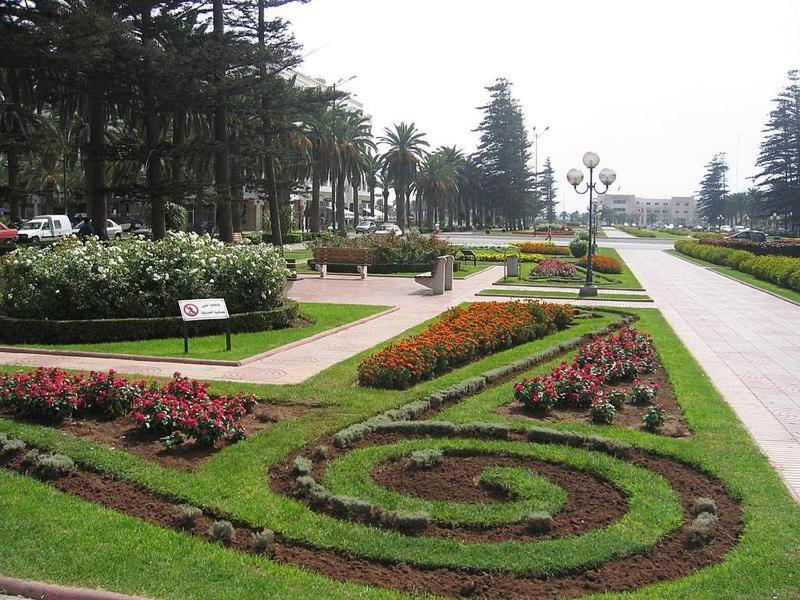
(122,434)
(670,559)
(629,416)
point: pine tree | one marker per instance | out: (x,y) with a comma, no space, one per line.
(546,182)
(503,155)
(779,159)
(713,190)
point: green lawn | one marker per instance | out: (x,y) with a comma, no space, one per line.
(743,277)
(623,281)
(321,316)
(52,536)
(565,295)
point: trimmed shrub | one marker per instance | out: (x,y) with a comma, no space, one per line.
(321,453)
(50,466)
(701,531)
(301,466)
(36,331)
(135,277)
(546,248)
(704,505)
(578,247)
(9,444)
(221,531)
(425,460)
(263,539)
(637,231)
(186,515)
(776,248)
(539,523)
(783,271)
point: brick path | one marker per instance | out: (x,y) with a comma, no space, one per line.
(746,340)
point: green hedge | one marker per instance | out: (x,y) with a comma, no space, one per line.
(780,270)
(34,331)
(382,269)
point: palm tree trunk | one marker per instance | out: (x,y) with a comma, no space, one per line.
(13,185)
(385,193)
(95,163)
(372,199)
(315,183)
(341,222)
(221,169)
(356,208)
(399,209)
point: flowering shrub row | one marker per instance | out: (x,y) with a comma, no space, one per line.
(780,270)
(547,248)
(579,385)
(463,334)
(138,278)
(553,267)
(490,255)
(778,248)
(411,249)
(177,411)
(602,264)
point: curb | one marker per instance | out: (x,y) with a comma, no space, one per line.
(510,294)
(47,591)
(195,361)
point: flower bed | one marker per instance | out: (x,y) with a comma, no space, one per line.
(780,270)
(490,255)
(553,267)
(180,410)
(624,355)
(462,335)
(138,278)
(603,264)
(777,248)
(547,248)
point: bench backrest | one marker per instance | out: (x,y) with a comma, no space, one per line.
(237,237)
(343,256)
(468,253)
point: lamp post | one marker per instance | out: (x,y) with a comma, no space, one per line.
(575,177)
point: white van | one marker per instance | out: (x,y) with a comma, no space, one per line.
(45,228)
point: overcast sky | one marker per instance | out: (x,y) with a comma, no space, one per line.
(655,88)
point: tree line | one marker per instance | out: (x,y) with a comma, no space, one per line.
(189,103)
(775,196)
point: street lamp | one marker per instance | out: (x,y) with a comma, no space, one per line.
(575,178)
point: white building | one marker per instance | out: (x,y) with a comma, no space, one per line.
(677,210)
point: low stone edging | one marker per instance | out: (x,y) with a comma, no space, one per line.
(48,591)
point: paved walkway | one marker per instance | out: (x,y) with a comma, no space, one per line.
(613,232)
(746,340)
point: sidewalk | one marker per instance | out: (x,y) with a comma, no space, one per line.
(746,341)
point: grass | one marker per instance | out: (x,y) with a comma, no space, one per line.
(52,536)
(623,281)
(565,295)
(743,277)
(320,317)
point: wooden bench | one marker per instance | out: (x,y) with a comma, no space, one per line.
(360,258)
(237,237)
(469,255)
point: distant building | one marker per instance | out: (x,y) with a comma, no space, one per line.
(623,208)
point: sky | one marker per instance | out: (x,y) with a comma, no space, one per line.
(655,88)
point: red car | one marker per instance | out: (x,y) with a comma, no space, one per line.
(7,234)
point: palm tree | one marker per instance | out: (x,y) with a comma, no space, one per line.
(319,131)
(353,138)
(371,166)
(402,158)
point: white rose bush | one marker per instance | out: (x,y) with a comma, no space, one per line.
(138,278)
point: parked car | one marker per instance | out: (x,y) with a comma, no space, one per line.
(45,228)
(114,230)
(749,234)
(8,235)
(389,229)
(366,226)
(136,226)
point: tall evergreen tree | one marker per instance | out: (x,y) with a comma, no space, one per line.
(503,155)
(713,190)
(546,181)
(779,159)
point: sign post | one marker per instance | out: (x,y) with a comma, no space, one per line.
(204,309)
